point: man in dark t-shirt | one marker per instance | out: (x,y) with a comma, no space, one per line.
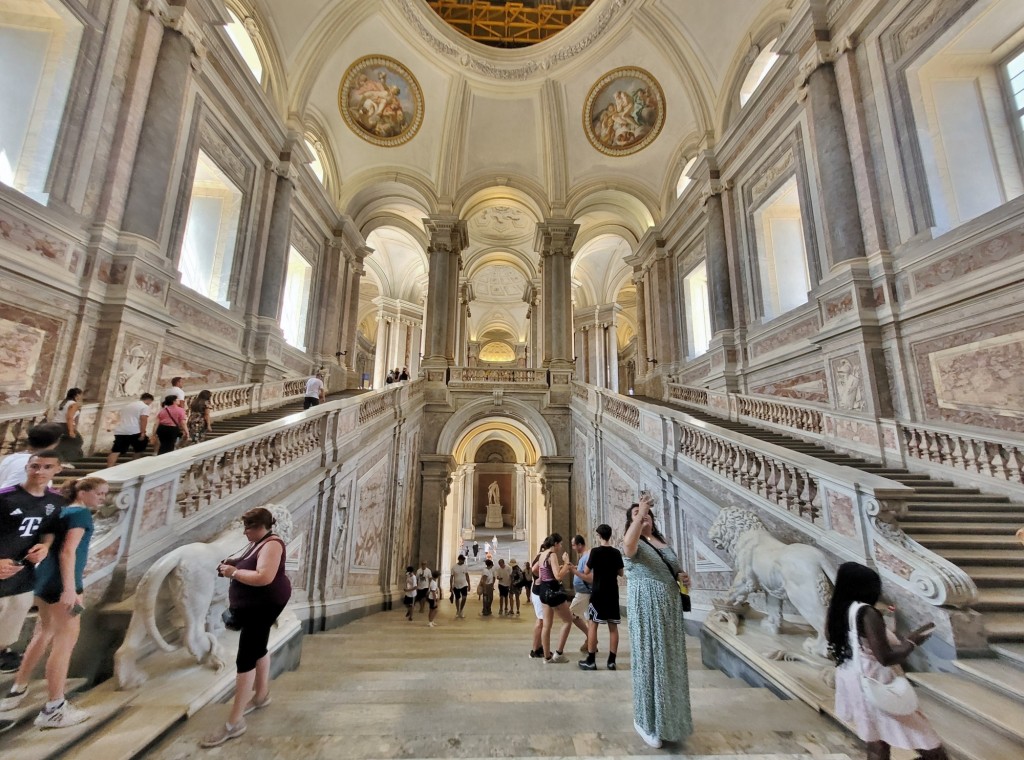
(604,566)
(28,521)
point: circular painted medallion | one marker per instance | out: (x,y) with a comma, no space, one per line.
(624,111)
(381,101)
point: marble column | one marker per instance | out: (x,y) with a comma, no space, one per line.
(435,481)
(415,350)
(275,262)
(612,351)
(553,241)
(155,170)
(380,368)
(837,191)
(468,501)
(454,307)
(600,356)
(350,327)
(448,238)
(519,525)
(717,257)
(665,310)
(535,354)
(641,324)
(557,476)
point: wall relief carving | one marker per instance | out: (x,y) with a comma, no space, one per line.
(846,372)
(134,367)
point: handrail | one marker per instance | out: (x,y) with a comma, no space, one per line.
(981,452)
(493,375)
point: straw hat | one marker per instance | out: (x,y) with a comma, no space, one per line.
(512,562)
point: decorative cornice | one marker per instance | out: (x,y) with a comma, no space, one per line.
(820,54)
(412,11)
(555,237)
(182,21)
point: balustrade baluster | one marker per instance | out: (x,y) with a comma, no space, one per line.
(984,460)
(957,453)
(971,456)
(998,462)
(1013,465)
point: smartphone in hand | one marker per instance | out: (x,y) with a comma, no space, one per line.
(77,609)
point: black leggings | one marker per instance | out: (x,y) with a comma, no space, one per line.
(254,635)
(168,436)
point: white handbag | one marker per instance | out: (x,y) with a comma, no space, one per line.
(894,698)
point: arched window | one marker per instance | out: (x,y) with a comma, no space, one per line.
(684,179)
(38,46)
(698,310)
(758,71)
(317,164)
(295,306)
(243,41)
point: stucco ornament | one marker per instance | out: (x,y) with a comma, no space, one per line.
(798,573)
(198,596)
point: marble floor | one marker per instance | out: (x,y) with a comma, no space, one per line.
(383,687)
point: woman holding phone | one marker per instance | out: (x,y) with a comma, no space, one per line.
(661,685)
(880,654)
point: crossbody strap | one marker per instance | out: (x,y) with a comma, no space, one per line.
(672,570)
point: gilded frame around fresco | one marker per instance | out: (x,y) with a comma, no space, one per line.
(368,122)
(601,96)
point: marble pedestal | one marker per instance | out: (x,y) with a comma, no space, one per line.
(494,517)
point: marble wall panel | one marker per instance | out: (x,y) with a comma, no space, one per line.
(620,492)
(809,386)
(340,530)
(28,352)
(156,508)
(848,380)
(964,261)
(792,333)
(693,375)
(838,305)
(22,236)
(135,367)
(854,431)
(840,512)
(194,374)
(201,320)
(368,537)
(974,376)
(101,559)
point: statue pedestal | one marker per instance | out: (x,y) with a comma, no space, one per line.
(494,518)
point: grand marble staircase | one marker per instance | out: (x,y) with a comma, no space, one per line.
(975,531)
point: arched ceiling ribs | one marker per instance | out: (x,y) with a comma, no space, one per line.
(556,139)
(485,257)
(600,267)
(334,23)
(365,194)
(522,444)
(389,218)
(449,162)
(625,204)
(476,193)
(399,261)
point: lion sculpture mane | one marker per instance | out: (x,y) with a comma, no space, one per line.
(198,595)
(797,572)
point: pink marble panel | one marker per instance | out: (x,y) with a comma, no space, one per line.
(810,386)
(694,374)
(840,511)
(369,533)
(889,560)
(964,261)
(28,351)
(194,374)
(24,236)
(841,304)
(784,336)
(201,319)
(156,506)
(851,430)
(103,558)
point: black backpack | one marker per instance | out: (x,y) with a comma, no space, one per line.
(517,577)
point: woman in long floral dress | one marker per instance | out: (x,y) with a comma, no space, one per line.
(661,688)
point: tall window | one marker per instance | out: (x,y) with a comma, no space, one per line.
(245,46)
(295,310)
(1015,82)
(38,47)
(698,310)
(208,250)
(317,164)
(781,252)
(684,179)
(759,69)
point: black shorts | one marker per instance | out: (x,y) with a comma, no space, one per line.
(432,603)
(421,594)
(408,601)
(461,593)
(308,402)
(129,442)
(503,591)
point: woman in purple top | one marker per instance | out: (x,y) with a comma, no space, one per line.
(258,593)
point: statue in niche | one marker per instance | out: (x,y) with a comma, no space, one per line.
(132,378)
(493,493)
(798,573)
(198,596)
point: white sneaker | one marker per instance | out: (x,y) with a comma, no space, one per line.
(65,716)
(557,658)
(650,740)
(12,700)
(431,624)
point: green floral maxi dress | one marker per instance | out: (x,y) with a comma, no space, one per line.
(661,687)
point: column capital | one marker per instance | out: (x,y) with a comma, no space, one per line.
(824,52)
(555,237)
(180,19)
(447,233)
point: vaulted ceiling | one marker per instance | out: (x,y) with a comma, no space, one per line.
(502,142)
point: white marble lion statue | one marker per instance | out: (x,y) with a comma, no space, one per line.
(797,572)
(198,596)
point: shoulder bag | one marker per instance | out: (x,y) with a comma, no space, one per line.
(684,598)
(894,698)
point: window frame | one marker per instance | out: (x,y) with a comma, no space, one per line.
(309,299)
(691,352)
(1014,114)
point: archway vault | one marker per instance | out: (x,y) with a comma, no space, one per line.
(515,418)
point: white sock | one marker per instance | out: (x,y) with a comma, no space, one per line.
(54,705)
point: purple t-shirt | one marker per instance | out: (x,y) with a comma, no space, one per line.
(276,593)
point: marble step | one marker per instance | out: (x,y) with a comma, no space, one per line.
(959,498)
(996,674)
(958,520)
(1012,653)
(995,576)
(953,506)
(965,528)
(960,734)
(958,541)
(30,743)
(1004,626)
(1000,600)
(34,702)
(998,712)
(126,735)
(989,557)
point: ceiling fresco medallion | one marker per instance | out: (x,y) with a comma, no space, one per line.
(624,111)
(381,101)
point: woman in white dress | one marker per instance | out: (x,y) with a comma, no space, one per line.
(880,653)
(69,449)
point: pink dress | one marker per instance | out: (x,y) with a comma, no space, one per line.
(871,724)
